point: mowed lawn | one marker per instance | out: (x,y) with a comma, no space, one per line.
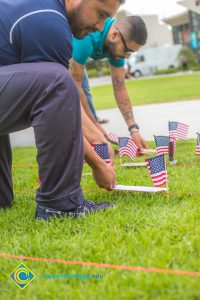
(155,231)
(151,90)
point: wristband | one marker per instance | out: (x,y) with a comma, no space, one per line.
(134,130)
(135,127)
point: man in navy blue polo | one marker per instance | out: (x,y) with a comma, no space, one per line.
(37,90)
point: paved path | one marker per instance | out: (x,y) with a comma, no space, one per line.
(153,119)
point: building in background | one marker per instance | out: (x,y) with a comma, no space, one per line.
(193,5)
(186,26)
(159,34)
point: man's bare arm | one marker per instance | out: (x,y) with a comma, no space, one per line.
(103,174)
(121,94)
(94,135)
(77,71)
(124,103)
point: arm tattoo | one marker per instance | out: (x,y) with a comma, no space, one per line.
(128,115)
(121,96)
(126,109)
(118,82)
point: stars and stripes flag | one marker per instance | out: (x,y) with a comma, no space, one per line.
(113,138)
(178,130)
(157,170)
(127,147)
(102,151)
(198,144)
(162,144)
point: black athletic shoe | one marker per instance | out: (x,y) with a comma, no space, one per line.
(86,207)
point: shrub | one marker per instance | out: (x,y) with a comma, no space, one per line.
(166,71)
(92,73)
(190,56)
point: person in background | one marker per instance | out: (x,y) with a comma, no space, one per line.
(88,95)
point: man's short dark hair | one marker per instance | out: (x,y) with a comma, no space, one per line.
(134,29)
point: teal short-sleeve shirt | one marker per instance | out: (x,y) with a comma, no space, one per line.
(92,46)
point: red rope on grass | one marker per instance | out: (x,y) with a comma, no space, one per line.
(101,265)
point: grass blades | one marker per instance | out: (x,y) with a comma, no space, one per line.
(157,230)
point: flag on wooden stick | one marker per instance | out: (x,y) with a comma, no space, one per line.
(162,144)
(157,170)
(127,147)
(102,151)
(178,130)
(113,138)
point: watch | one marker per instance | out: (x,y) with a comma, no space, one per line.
(135,126)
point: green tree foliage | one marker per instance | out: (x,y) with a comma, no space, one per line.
(189,55)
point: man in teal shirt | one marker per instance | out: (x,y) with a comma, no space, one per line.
(117,40)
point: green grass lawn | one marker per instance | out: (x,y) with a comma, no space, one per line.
(152,90)
(156,231)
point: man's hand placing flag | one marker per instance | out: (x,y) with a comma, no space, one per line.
(104,175)
(139,140)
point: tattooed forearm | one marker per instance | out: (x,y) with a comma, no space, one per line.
(121,94)
(128,115)
(118,82)
(125,108)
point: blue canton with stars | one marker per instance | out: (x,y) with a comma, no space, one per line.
(102,150)
(157,164)
(173,126)
(123,142)
(161,141)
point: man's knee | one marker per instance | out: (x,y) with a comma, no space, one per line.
(63,80)
(66,79)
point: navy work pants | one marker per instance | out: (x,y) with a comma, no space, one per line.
(43,95)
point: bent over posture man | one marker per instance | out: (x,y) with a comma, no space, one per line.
(37,90)
(117,40)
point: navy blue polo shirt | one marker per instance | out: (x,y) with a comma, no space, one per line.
(34,31)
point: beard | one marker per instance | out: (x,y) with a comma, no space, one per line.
(111,49)
(77,23)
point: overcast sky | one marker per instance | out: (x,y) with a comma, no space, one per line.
(163,8)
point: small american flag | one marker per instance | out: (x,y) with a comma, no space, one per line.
(178,130)
(198,144)
(102,151)
(157,170)
(162,144)
(113,138)
(127,147)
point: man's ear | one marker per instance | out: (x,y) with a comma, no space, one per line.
(115,35)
